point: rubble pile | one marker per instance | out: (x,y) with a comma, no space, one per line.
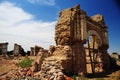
(20,74)
(52,70)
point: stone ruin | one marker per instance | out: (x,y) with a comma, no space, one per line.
(53,63)
(18,50)
(81,46)
(86,36)
(3,49)
(34,50)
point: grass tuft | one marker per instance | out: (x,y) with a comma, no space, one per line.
(25,63)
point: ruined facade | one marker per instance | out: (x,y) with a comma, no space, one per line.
(86,36)
(3,48)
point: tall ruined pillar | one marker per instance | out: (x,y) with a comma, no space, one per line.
(68,32)
(3,49)
(32,50)
(16,50)
(79,58)
(105,45)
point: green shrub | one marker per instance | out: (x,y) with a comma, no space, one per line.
(25,63)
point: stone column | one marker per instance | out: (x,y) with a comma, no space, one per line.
(16,50)
(4,50)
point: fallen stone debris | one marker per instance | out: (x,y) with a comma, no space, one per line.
(20,74)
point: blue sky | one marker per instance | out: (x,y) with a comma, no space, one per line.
(32,22)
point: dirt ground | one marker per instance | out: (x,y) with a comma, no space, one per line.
(6,65)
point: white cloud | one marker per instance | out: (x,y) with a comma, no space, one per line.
(18,26)
(43,2)
(12,14)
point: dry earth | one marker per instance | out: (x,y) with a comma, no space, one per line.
(6,65)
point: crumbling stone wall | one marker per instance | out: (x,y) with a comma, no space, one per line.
(3,49)
(59,64)
(41,55)
(68,32)
(35,50)
(74,28)
(18,50)
(32,50)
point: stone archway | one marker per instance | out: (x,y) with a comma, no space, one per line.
(94,33)
(93,56)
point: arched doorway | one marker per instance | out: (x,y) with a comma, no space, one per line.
(93,56)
